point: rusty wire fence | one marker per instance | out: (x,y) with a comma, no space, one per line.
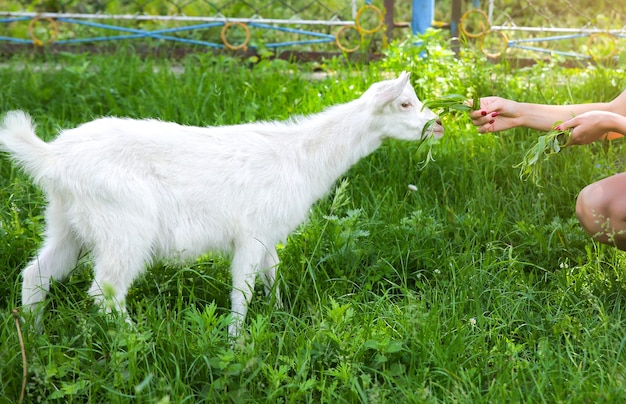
(583,29)
(587,29)
(308,25)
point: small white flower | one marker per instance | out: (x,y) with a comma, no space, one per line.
(472,321)
(437,271)
(412,188)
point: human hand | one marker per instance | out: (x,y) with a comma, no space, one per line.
(495,114)
(590,126)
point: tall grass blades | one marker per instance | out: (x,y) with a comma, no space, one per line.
(455,282)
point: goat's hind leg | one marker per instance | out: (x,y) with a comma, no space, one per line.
(56,259)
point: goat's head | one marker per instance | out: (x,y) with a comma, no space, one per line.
(399,112)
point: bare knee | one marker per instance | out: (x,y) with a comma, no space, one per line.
(592,208)
(601,211)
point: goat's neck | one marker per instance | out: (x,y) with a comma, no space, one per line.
(336,139)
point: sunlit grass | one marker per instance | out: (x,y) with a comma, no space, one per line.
(470,285)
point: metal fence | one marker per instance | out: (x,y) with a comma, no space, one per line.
(536,28)
(589,29)
(228,24)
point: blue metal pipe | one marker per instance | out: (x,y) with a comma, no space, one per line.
(422,16)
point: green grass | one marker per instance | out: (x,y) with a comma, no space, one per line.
(477,287)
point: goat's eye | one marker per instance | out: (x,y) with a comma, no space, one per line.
(405,104)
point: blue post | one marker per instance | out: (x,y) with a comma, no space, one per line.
(423,15)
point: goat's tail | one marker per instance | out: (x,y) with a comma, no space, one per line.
(18,138)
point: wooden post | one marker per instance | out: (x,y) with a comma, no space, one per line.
(389,18)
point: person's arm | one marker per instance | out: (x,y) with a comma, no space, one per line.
(496,113)
(543,117)
(592,125)
(618,105)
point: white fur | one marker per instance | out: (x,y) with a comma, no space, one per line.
(134,191)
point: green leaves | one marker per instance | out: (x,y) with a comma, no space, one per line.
(450,102)
(475,102)
(546,145)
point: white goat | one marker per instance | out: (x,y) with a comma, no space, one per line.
(134,191)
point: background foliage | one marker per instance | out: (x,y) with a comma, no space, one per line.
(477,287)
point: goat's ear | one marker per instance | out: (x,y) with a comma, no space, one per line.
(392,89)
(403,80)
(404,76)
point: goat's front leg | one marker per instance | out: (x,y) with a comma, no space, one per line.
(269,269)
(247,260)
